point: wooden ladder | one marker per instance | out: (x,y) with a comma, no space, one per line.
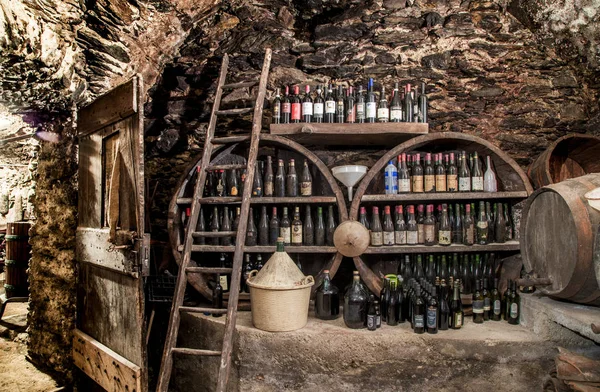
(240,236)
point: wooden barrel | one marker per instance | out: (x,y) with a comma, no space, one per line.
(570,156)
(17,259)
(558,239)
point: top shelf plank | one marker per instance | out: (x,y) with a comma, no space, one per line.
(445,196)
(333,134)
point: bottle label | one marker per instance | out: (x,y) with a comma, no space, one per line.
(257,191)
(276,111)
(452,182)
(388,238)
(220,188)
(286,107)
(340,108)
(306,188)
(404,185)
(307,108)
(378,320)
(445,237)
(464,184)
(285,233)
(396,114)
(223,281)
(478,306)
(318,109)
(457,320)
(419,321)
(233,191)
(383,114)
(420,233)
(351,114)
(371,109)
(497,307)
(330,107)
(268,189)
(297,234)
(487,304)
(477,183)
(296,111)
(514,310)
(400,237)
(429,234)
(482,224)
(412,237)
(376,238)
(371,322)
(360,110)
(440,183)
(417,184)
(469,235)
(429,183)
(432,318)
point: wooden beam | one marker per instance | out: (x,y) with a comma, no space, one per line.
(115,105)
(110,370)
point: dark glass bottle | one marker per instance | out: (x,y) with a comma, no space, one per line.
(286,107)
(259,260)
(355,304)
(268,183)
(225,279)
(417,175)
(430,273)
(217,297)
(456,307)
(329,106)
(487,301)
(477,174)
(444,314)
(360,106)
(371,103)
(363,218)
(429,226)
(263,227)
(393,307)
(327,299)
(412,233)
(440,175)
(291,180)
(423,105)
(201,226)
(455,270)
(443,271)
(215,226)
(445,231)
(452,175)
(418,312)
(209,185)
(491,219)
(383,111)
(285,228)
(246,269)
(396,106)
(478,301)
(308,230)
(296,105)
(388,227)
(330,229)
(482,225)
(350,107)
(515,305)
(305,181)
(466,276)
(468,227)
(280,179)
(409,109)
(257,184)
(233,188)
(320,228)
(307,106)
(371,314)
(226,226)
(433,313)
(251,234)
(496,302)
(277,108)
(399,227)
(464,175)
(383,297)
(340,112)
(318,106)
(457,228)
(377,314)
(221,184)
(274,228)
(376,228)
(297,228)
(403,175)
(509,226)
(429,175)
(500,225)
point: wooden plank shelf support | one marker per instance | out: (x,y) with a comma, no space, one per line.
(510,246)
(294,200)
(445,196)
(226,167)
(234,112)
(208,270)
(195,351)
(194,309)
(229,140)
(213,234)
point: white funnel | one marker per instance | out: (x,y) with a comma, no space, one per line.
(349,175)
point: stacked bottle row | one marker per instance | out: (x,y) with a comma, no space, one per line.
(439,173)
(311,231)
(266,183)
(350,105)
(444,225)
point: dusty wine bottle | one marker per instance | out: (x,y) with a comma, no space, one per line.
(285,230)
(305,181)
(327,299)
(277,107)
(274,228)
(478,301)
(269,178)
(376,229)
(297,228)
(291,180)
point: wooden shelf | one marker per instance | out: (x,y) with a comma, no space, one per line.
(261,249)
(261,200)
(442,196)
(376,134)
(242,296)
(510,246)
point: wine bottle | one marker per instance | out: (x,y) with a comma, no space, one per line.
(452,175)
(409,108)
(433,313)
(318,106)
(477,175)
(478,301)
(257,184)
(496,302)
(412,233)
(371,104)
(201,226)
(418,312)
(362,218)
(482,225)
(417,175)
(456,307)
(444,309)
(429,174)
(305,181)
(285,230)
(445,234)
(320,228)
(221,184)
(490,184)
(388,227)
(307,106)
(226,226)
(263,227)
(280,179)
(225,278)
(327,299)
(393,307)
(215,226)
(440,175)
(217,296)
(487,301)
(330,229)
(421,224)
(329,106)
(360,106)
(286,107)
(464,175)
(269,178)
(291,180)
(232,183)
(309,229)
(468,227)
(350,107)
(430,273)
(500,225)
(457,226)
(515,305)
(509,226)
(376,229)
(396,106)
(355,304)
(251,231)
(400,227)
(403,175)
(340,112)
(466,276)
(246,269)
(274,228)
(242,181)
(423,105)
(259,262)
(377,314)
(277,107)
(415,100)
(296,105)
(297,228)
(391,179)
(383,111)
(429,226)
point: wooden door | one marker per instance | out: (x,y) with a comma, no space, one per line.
(112,248)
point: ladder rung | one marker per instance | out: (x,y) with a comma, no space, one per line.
(208,270)
(232,86)
(227,167)
(211,200)
(234,112)
(229,139)
(195,351)
(193,309)
(213,234)
(184,200)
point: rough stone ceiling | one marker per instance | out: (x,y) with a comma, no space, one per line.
(54,53)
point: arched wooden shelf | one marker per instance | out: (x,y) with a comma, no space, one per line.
(199,281)
(512,183)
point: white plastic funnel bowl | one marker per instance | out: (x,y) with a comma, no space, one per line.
(349,175)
